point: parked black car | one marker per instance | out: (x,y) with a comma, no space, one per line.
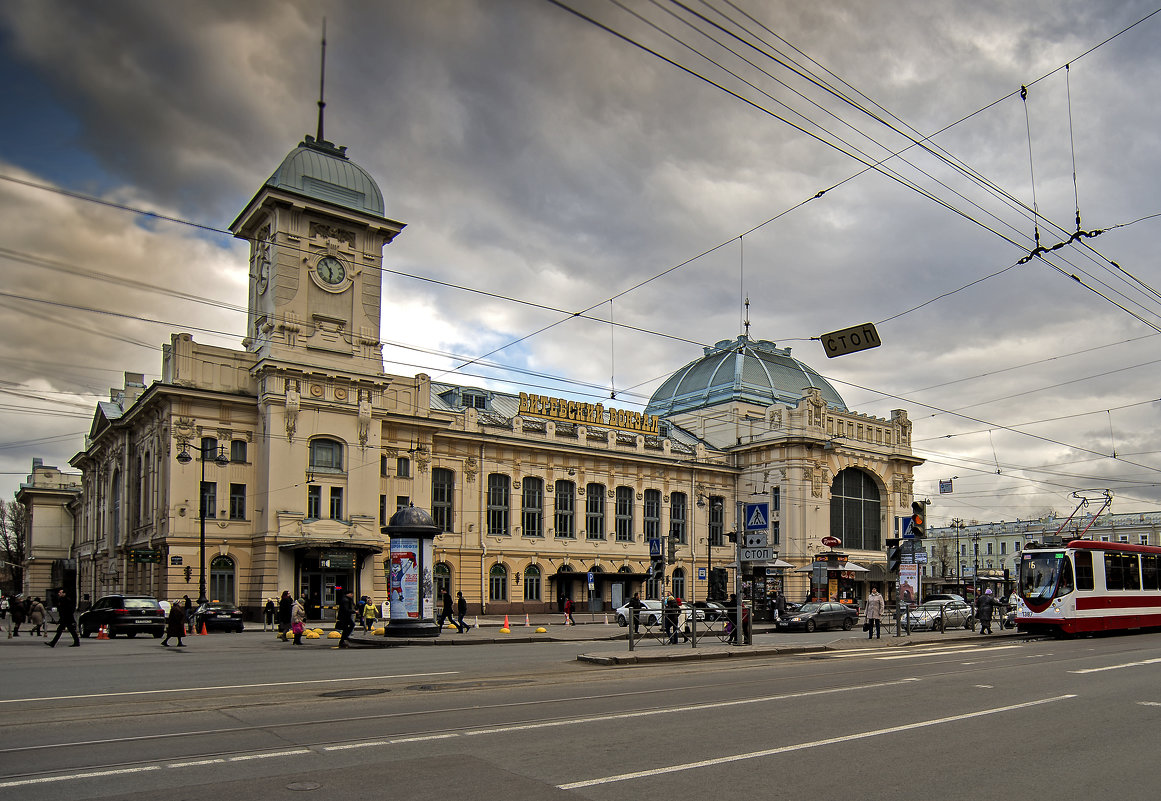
(124,614)
(711,610)
(824,615)
(217,615)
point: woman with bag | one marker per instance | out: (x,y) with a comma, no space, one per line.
(875,608)
(298,620)
(175,624)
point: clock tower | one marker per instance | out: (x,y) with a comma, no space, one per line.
(316,230)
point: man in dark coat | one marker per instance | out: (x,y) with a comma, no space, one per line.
(66,609)
(445,612)
(285,608)
(346,617)
(461,610)
(175,625)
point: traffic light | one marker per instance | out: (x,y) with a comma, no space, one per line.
(717,586)
(658,567)
(672,549)
(919,519)
(894,555)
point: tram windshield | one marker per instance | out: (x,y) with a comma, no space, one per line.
(1044,576)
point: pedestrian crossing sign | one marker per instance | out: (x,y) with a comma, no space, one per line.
(757,516)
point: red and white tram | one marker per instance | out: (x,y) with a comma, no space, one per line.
(1085,586)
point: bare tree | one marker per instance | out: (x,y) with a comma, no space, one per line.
(13,516)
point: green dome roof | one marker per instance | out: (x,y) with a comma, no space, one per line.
(751,371)
(321,171)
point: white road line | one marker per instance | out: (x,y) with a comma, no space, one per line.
(642,774)
(1148,703)
(874,652)
(1117,667)
(269,755)
(224,687)
(96,774)
(960,652)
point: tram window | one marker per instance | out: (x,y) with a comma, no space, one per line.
(1065,585)
(1084,576)
(1149,572)
(1122,572)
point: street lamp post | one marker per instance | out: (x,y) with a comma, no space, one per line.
(221,460)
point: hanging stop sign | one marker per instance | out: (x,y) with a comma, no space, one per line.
(850,340)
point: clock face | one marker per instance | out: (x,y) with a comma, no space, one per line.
(330,270)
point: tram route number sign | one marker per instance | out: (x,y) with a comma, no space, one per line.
(850,340)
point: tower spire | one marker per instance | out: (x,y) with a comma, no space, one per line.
(322,82)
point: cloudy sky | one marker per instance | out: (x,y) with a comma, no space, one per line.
(656,164)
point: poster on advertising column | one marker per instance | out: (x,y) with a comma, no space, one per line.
(908,584)
(409,579)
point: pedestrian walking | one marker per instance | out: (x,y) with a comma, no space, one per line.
(175,624)
(19,615)
(635,606)
(189,611)
(984,608)
(285,606)
(445,612)
(368,614)
(36,616)
(346,618)
(778,602)
(66,609)
(874,612)
(461,610)
(298,619)
(268,613)
(671,615)
(568,621)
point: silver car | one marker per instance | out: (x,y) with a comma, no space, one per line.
(928,614)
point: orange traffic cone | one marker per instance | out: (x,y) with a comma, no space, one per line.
(505,621)
(103,633)
(203,631)
(526,621)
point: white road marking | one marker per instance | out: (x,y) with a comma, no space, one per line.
(643,774)
(961,652)
(1117,667)
(1149,703)
(225,687)
(95,774)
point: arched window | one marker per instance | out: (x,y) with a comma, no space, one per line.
(532,587)
(595,512)
(498,583)
(532,507)
(443,484)
(499,498)
(222,579)
(855,516)
(623,514)
(441,575)
(678,584)
(326,454)
(115,508)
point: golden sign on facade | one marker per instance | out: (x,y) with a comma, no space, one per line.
(587,413)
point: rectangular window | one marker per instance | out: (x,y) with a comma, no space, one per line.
(209,507)
(238,450)
(565,516)
(313,501)
(775,537)
(442,488)
(775,499)
(717,519)
(382,510)
(1122,571)
(623,515)
(651,516)
(678,517)
(336,503)
(1150,572)
(382,466)
(498,504)
(989,549)
(1003,548)
(402,502)
(595,512)
(237,501)
(403,467)
(532,507)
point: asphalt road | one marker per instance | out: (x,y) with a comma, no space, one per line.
(244,717)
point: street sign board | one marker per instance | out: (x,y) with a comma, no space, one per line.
(756,554)
(755,539)
(757,516)
(655,547)
(850,340)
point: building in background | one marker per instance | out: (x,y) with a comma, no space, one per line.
(296,449)
(51,500)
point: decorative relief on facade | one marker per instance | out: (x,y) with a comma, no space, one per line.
(340,393)
(815,408)
(316,390)
(902,426)
(293,402)
(183,429)
(776,418)
(332,232)
(423,459)
(471,468)
(364,415)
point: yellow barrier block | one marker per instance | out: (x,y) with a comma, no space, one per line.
(334,635)
(542,630)
(379,632)
(505,630)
